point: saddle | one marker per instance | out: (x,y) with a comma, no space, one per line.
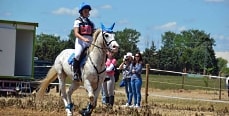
(82,58)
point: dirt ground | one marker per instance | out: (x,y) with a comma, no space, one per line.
(182,103)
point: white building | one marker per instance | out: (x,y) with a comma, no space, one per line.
(16,48)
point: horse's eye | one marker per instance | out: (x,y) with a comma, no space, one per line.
(106,35)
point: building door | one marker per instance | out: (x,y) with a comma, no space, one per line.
(7,51)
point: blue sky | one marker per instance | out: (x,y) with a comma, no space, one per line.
(149,17)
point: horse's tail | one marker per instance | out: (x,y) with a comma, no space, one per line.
(51,76)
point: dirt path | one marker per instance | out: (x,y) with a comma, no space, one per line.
(157,104)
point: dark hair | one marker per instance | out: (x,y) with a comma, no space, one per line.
(140,58)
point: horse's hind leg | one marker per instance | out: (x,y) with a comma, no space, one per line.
(70,106)
(62,78)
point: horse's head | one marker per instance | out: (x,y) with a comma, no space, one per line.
(109,38)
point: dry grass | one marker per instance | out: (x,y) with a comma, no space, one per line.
(157,106)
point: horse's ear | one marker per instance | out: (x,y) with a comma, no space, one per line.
(107,29)
(102,26)
(112,26)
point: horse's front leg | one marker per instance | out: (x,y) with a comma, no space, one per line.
(96,93)
(92,100)
(88,87)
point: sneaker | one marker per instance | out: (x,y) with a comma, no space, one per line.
(126,105)
(132,106)
(137,106)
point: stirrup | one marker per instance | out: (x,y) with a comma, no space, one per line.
(76,77)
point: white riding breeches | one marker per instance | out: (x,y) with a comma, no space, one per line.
(80,46)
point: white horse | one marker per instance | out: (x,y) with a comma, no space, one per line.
(93,71)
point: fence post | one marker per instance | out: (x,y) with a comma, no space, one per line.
(183,75)
(220,88)
(147,82)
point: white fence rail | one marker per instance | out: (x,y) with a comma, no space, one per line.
(182,84)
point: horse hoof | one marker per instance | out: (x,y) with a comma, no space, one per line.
(85,112)
(69,112)
(91,98)
(69,109)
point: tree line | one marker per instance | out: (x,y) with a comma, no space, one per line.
(188,51)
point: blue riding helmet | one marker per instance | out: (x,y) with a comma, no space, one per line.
(84,6)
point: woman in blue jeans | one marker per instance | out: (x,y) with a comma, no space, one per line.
(125,67)
(136,79)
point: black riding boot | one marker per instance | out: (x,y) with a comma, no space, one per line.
(111,101)
(75,70)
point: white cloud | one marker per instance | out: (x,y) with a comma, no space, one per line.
(215,1)
(220,37)
(123,22)
(7,14)
(182,28)
(170,26)
(65,11)
(107,6)
(94,13)
(222,42)
(167,26)
(73,12)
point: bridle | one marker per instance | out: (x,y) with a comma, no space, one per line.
(105,41)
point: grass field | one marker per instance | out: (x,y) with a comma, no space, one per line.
(164,82)
(174,83)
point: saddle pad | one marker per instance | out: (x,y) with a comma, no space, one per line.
(71,59)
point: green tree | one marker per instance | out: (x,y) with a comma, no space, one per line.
(47,47)
(222,65)
(127,40)
(149,56)
(70,43)
(167,53)
(190,49)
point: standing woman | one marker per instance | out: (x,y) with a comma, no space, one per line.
(136,79)
(126,73)
(109,86)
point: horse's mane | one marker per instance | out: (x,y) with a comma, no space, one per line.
(95,36)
